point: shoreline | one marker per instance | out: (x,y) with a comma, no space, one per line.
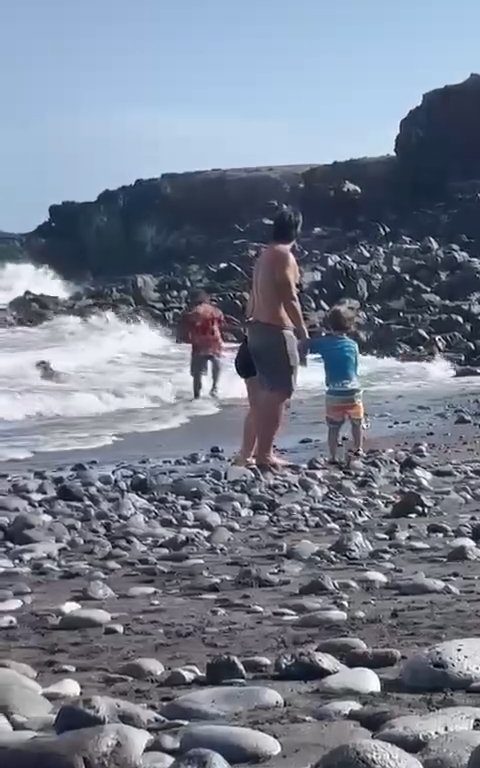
(304,427)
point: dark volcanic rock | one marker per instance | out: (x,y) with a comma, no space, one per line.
(439,138)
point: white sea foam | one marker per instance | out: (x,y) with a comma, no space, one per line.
(16,278)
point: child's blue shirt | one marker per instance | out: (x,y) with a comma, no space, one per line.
(340,357)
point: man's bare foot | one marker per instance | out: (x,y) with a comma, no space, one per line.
(273,463)
(242,461)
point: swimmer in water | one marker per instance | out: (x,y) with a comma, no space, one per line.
(48,373)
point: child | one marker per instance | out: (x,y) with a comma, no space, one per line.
(343,396)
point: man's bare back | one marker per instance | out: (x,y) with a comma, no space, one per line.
(274,287)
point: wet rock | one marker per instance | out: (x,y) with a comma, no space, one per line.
(341,646)
(359,680)
(353,546)
(372,579)
(63,689)
(257,665)
(373,658)
(373,717)
(463,552)
(410,503)
(101,710)
(23,669)
(337,709)
(201,758)
(142,669)
(156,760)
(302,550)
(70,492)
(320,585)
(179,677)
(235,744)
(451,750)
(191,488)
(223,668)
(306,665)
(419,585)
(72,718)
(414,732)
(454,664)
(84,618)
(322,618)
(214,703)
(97,590)
(21,696)
(19,758)
(367,753)
(118,746)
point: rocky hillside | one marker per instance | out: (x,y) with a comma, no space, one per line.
(429,187)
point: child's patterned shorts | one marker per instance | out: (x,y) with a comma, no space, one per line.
(340,408)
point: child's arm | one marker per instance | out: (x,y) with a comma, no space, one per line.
(315,345)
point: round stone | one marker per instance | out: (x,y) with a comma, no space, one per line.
(367,753)
(85,618)
(321,618)
(235,744)
(454,664)
(357,680)
(201,758)
(213,703)
(156,760)
(64,689)
(374,658)
(414,732)
(336,710)
(452,750)
(142,669)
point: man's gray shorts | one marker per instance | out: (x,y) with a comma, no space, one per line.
(274,351)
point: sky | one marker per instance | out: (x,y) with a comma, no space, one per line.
(98,93)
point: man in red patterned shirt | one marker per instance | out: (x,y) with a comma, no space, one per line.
(201,326)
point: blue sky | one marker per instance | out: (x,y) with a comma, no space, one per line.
(98,93)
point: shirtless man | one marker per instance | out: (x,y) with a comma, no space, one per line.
(275,331)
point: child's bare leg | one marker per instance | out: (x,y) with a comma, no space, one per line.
(333,435)
(357,435)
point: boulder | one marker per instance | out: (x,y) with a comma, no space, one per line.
(223,701)
(451,750)
(359,680)
(414,732)
(201,758)
(454,664)
(115,746)
(366,753)
(235,744)
(306,665)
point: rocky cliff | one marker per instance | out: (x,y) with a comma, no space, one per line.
(428,187)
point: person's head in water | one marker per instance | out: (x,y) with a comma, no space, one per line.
(340,319)
(286,226)
(43,365)
(199,296)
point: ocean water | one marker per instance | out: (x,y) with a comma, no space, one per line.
(122,378)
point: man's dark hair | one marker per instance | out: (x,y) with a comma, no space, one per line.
(199,296)
(340,320)
(286,226)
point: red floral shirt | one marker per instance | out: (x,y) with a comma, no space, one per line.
(202,328)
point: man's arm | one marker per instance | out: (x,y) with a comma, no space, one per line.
(287,277)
